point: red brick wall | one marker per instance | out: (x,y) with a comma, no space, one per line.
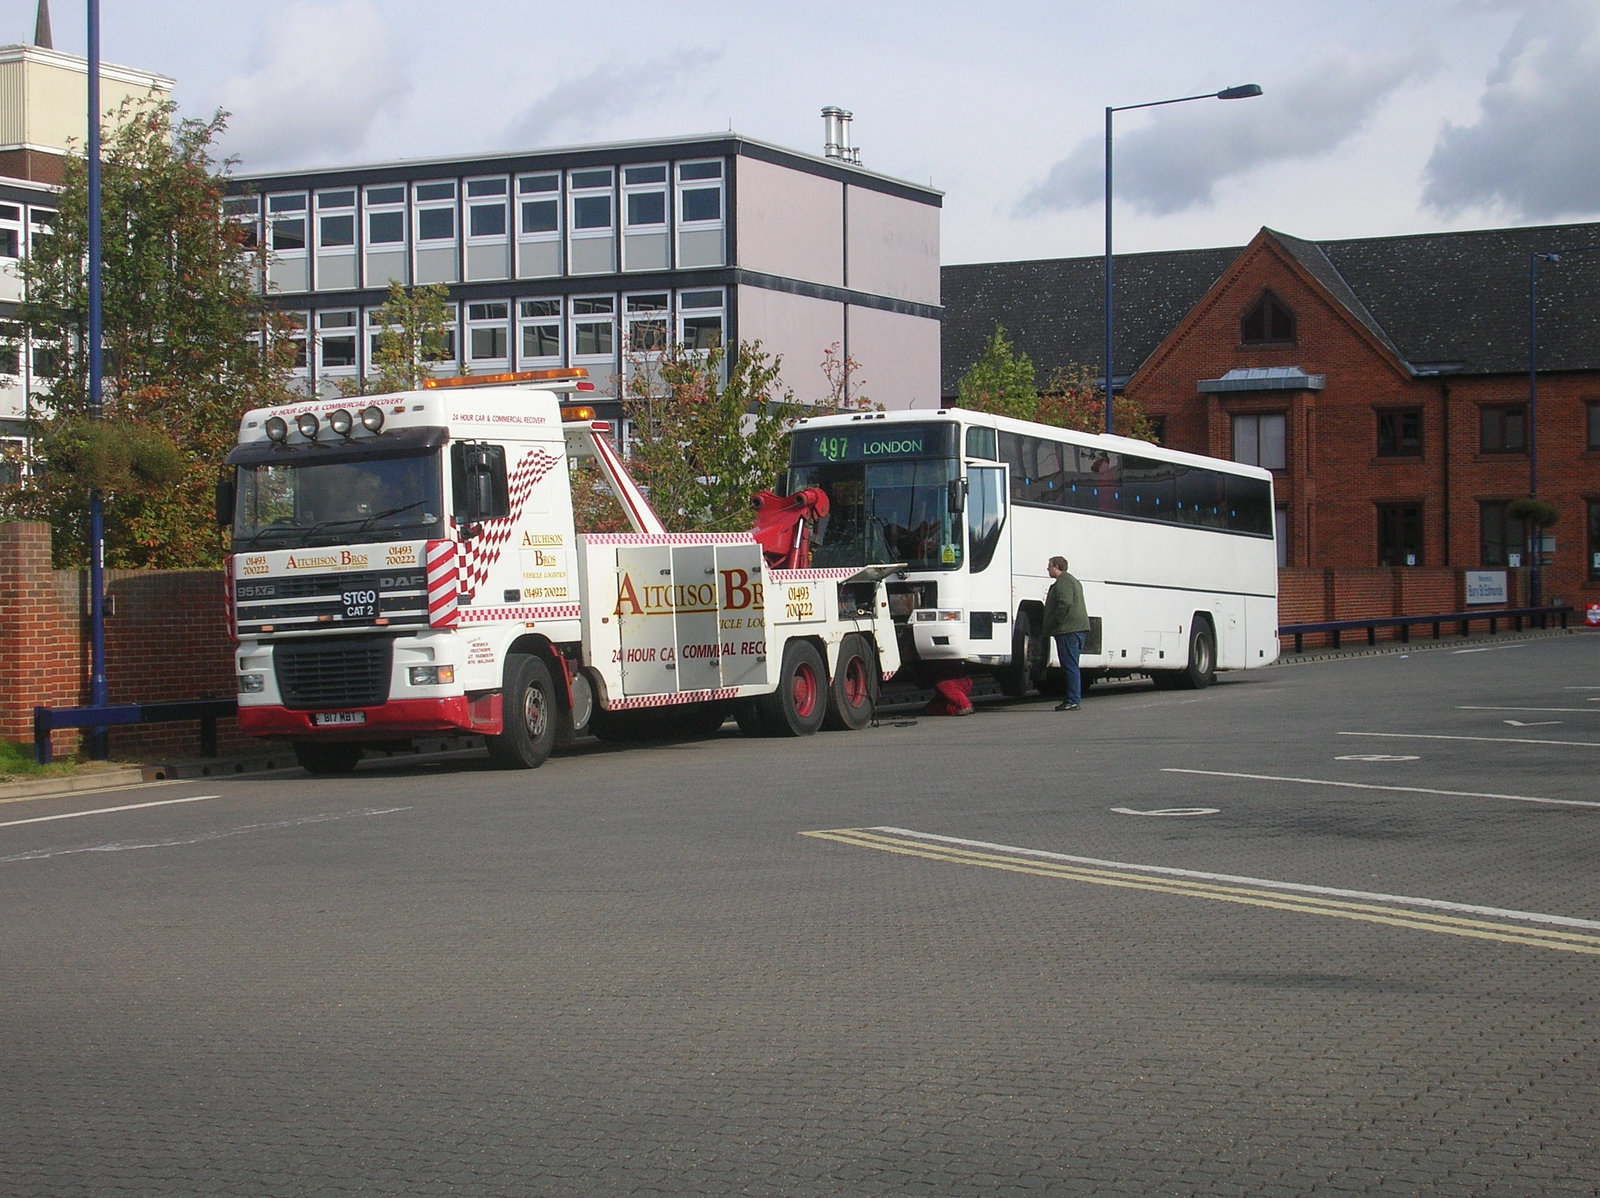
(165,634)
(1313,596)
(1334,479)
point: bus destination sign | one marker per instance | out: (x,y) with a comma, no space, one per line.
(884,442)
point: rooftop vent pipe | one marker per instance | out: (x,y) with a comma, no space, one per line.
(836,136)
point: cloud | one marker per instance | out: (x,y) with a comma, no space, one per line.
(1535,149)
(581,108)
(1175,162)
(326,72)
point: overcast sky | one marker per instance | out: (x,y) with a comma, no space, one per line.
(1378,116)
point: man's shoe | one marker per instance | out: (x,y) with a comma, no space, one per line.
(1066,707)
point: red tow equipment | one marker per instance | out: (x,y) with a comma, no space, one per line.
(783,526)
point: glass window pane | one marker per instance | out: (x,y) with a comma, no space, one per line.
(591,212)
(539,216)
(338,230)
(702,203)
(386,228)
(386,195)
(592,178)
(541,340)
(488,220)
(436,191)
(700,170)
(647,208)
(436,224)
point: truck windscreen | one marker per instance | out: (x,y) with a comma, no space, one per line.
(291,506)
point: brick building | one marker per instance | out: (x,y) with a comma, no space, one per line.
(1385,381)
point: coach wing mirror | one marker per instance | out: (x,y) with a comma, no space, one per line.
(478,483)
(956,496)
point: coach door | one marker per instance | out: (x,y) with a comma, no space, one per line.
(988,560)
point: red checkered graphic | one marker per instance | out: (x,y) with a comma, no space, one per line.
(642,701)
(821,574)
(444,584)
(490,615)
(670,538)
(484,550)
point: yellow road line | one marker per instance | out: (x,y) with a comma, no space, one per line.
(1453,925)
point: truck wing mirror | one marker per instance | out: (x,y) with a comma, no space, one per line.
(478,482)
(225,497)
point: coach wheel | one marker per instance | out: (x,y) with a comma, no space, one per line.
(1028,654)
(853,692)
(326,757)
(1201,671)
(799,704)
(531,715)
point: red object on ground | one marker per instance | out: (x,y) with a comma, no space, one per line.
(951,696)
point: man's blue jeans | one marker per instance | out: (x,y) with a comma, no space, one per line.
(1068,646)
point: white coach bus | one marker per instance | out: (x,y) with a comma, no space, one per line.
(1175,551)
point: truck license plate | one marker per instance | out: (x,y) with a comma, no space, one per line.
(325,719)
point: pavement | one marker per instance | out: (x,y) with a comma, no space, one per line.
(101,775)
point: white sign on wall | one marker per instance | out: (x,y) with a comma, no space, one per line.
(1486,586)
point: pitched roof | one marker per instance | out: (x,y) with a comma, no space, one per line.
(1454,302)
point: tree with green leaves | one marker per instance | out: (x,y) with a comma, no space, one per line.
(1075,399)
(188,344)
(1001,381)
(705,444)
(1004,382)
(413,334)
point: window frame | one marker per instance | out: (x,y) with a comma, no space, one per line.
(1409,512)
(297,212)
(1238,418)
(1273,313)
(527,321)
(1500,415)
(481,318)
(1393,442)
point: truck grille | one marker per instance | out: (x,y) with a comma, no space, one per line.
(350,672)
(325,603)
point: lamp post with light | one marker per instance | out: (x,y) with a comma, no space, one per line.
(1242,92)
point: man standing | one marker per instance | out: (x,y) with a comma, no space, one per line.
(1066,618)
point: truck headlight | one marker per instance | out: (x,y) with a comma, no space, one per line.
(252,684)
(431,675)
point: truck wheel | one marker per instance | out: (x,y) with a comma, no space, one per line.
(531,713)
(326,757)
(796,708)
(853,692)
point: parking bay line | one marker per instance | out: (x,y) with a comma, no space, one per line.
(1414,790)
(1493,740)
(1453,919)
(46,819)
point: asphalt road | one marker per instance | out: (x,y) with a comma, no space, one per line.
(1322,929)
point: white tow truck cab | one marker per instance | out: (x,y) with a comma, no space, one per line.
(407,565)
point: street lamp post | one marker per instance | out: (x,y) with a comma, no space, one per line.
(1242,92)
(1535,534)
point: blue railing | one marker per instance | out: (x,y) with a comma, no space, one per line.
(97,719)
(1519,617)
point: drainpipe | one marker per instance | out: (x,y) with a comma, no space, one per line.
(1444,470)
